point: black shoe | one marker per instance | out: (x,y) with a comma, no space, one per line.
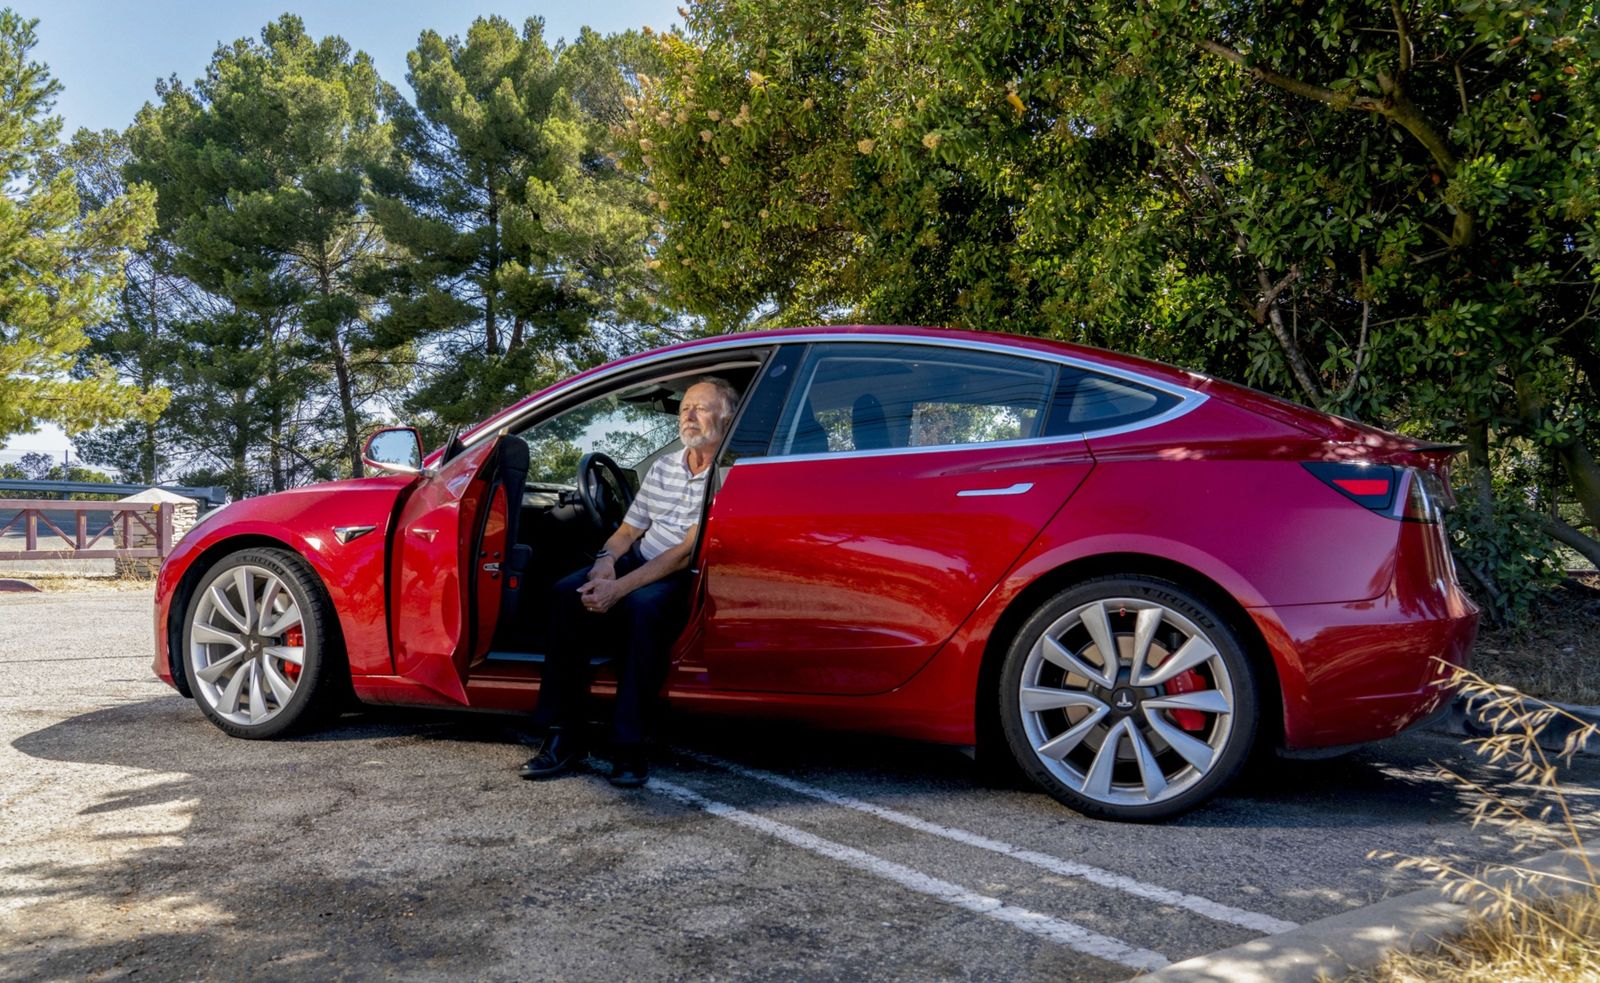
(629,770)
(561,753)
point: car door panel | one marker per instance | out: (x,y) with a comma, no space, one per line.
(432,568)
(843,574)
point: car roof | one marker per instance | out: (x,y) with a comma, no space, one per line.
(1284,411)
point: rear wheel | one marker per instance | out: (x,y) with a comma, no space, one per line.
(260,646)
(1128,698)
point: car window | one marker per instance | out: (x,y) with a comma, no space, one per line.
(628,426)
(869,396)
(1087,402)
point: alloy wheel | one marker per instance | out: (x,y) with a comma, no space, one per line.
(1126,702)
(247,645)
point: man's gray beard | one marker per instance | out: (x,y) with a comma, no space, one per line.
(694,443)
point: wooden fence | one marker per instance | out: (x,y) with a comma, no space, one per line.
(128,517)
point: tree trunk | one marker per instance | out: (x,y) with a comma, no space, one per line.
(239,447)
(341,370)
(147,380)
(1584,473)
(274,454)
(491,335)
(1478,457)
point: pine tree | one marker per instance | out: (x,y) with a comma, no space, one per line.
(61,266)
(518,233)
(261,166)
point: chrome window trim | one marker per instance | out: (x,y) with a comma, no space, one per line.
(1188,399)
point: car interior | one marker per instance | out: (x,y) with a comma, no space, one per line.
(580,467)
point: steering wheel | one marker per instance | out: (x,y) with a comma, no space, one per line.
(604,491)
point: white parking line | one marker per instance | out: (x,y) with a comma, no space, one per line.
(1066,933)
(1214,910)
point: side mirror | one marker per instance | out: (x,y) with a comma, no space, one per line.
(397,450)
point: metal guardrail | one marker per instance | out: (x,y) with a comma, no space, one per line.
(31,513)
(210,496)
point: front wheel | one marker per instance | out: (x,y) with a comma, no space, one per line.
(260,645)
(1128,698)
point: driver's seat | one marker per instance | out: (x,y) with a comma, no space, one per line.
(511,473)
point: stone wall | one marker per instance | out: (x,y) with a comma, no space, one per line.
(185,513)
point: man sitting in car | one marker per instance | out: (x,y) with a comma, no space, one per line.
(633,601)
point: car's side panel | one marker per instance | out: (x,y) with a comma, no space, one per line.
(845,574)
(303,520)
(1222,490)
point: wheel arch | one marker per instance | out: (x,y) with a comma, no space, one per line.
(1052,582)
(197,569)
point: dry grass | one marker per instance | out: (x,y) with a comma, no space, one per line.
(1530,926)
(1556,655)
(1508,950)
(67,583)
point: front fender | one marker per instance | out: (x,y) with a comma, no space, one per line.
(301,520)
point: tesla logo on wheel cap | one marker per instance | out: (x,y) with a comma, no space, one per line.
(1123,703)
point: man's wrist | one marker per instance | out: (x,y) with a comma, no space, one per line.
(605,554)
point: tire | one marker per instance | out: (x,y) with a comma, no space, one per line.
(1081,730)
(247,680)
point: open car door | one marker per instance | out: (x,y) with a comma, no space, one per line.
(455,561)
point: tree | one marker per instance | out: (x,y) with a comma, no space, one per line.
(515,233)
(62,265)
(135,338)
(261,168)
(1389,213)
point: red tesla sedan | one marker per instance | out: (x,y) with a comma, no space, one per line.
(1127,575)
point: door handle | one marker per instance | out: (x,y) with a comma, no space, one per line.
(1016,489)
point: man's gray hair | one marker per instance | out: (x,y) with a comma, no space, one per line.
(724,388)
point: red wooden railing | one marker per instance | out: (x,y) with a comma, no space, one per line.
(155,518)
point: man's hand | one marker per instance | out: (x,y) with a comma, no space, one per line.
(604,568)
(599,595)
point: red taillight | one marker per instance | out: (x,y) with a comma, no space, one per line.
(1363,487)
(1369,485)
(1411,494)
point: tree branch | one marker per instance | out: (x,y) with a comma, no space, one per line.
(1396,105)
(1366,320)
(1267,312)
(1338,100)
(1568,535)
(1405,38)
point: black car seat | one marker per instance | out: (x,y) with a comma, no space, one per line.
(809,437)
(869,424)
(511,473)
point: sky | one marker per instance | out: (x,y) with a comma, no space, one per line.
(108,54)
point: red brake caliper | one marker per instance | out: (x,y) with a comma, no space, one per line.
(1187,682)
(296,638)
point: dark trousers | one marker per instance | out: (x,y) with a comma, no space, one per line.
(637,633)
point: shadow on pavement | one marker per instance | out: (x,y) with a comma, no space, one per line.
(401,840)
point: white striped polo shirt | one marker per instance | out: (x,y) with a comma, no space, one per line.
(668,503)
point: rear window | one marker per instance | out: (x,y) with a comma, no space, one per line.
(1087,402)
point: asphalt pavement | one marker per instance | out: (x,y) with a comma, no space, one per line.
(136,839)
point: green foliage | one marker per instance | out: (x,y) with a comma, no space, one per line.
(515,233)
(1507,562)
(35,466)
(262,167)
(62,264)
(1391,213)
